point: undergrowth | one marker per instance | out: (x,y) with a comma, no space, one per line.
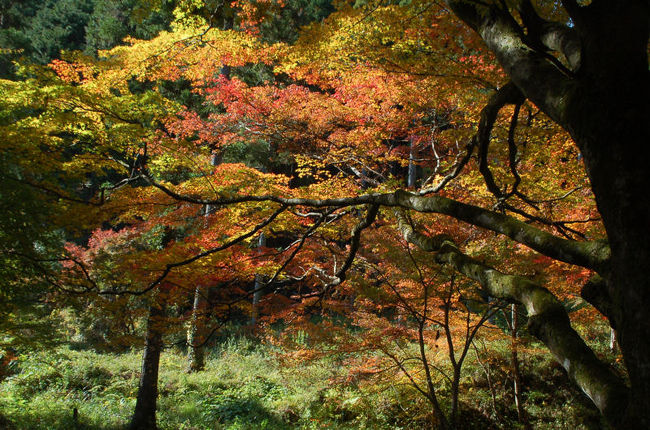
(247,385)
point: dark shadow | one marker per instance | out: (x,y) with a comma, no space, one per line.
(243,409)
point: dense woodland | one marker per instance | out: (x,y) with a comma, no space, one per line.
(273,214)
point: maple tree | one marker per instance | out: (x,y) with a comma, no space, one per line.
(420,318)
(525,119)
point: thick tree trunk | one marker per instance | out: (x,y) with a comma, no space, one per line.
(601,99)
(144,416)
(609,119)
(620,182)
(629,290)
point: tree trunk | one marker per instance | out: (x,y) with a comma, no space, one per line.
(144,416)
(413,168)
(195,338)
(455,391)
(516,373)
(621,190)
(609,121)
(257,289)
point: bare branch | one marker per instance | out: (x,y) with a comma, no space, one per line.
(508,94)
(548,321)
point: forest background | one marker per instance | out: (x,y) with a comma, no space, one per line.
(322,214)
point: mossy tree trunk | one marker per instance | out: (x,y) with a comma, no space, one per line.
(597,88)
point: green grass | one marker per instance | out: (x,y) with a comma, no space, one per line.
(246,385)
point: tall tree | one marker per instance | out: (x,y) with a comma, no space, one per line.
(598,91)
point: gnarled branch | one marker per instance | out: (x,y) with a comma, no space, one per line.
(508,94)
(593,254)
(553,36)
(548,321)
(595,293)
(538,77)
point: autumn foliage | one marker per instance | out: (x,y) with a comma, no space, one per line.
(165,159)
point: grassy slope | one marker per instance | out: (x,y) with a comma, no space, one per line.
(245,386)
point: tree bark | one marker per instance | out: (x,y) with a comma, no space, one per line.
(144,416)
(516,373)
(547,320)
(601,99)
(195,338)
(257,288)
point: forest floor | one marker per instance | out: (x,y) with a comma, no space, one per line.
(250,385)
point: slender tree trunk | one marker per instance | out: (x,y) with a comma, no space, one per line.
(144,416)
(413,168)
(440,421)
(195,339)
(257,289)
(455,388)
(516,372)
